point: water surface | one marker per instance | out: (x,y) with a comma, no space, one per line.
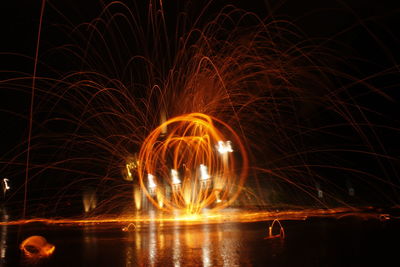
(350,241)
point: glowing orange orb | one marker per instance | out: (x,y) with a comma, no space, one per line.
(192,165)
(36,247)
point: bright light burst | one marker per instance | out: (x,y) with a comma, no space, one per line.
(189,147)
(175,177)
(204,172)
(224,147)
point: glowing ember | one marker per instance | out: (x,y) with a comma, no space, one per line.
(130,226)
(36,248)
(281,233)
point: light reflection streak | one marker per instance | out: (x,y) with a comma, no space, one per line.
(176,249)
(3,242)
(206,246)
(90,246)
(139,246)
(133,251)
(152,239)
(129,255)
(228,248)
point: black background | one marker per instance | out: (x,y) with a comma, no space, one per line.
(368,28)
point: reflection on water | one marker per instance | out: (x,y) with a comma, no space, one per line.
(153,243)
(183,245)
(227,248)
(313,242)
(206,248)
(152,240)
(176,250)
(90,246)
(3,241)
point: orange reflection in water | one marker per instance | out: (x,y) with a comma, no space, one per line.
(202,240)
(185,245)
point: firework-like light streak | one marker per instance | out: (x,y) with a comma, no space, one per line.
(257,86)
(207,178)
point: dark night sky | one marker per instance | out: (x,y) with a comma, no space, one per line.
(368,28)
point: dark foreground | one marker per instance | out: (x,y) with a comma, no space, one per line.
(348,241)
